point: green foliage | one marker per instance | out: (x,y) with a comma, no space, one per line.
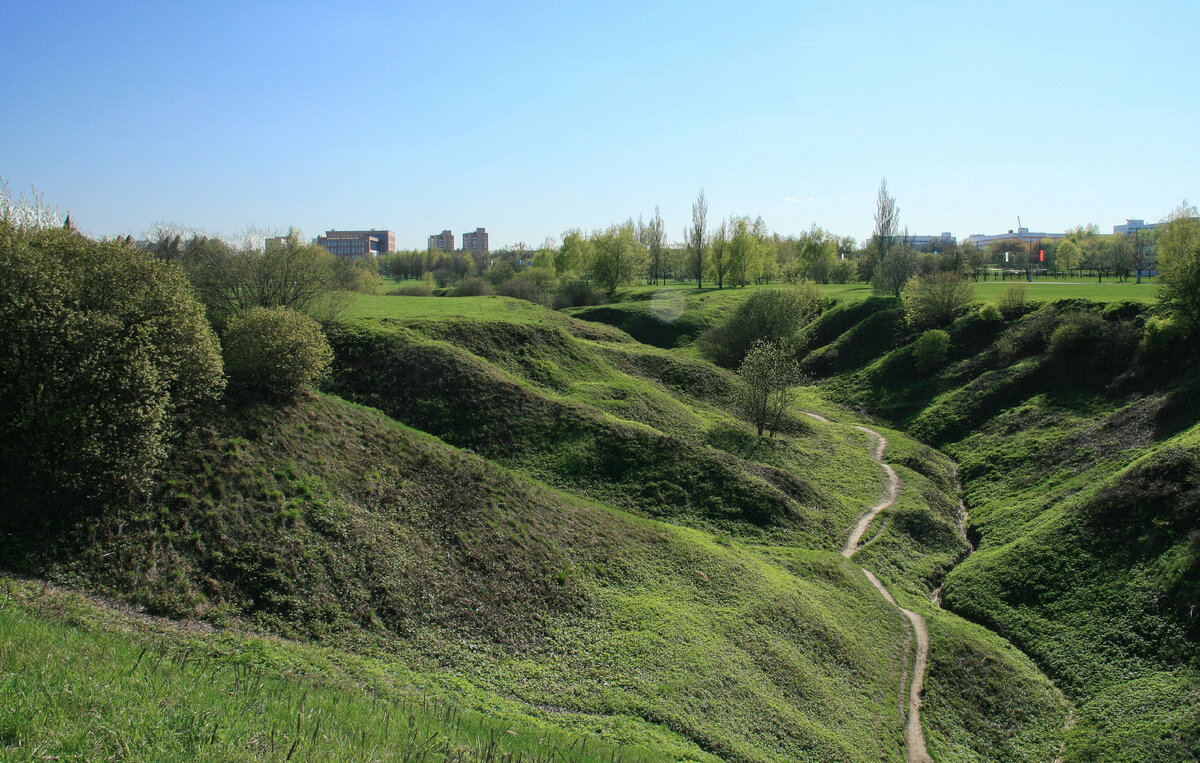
(1162,335)
(990,311)
(929,351)
(767,314)
(936,300)
(1013,303)
(104,355)
(294,275)
(471,286)
(1179,266)
(617,257)
(275,352)
(422,288)
(768,372)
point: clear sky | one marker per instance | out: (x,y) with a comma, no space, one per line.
(529,118)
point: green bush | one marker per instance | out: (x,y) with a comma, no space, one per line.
(104,356)
(471,286)
(1161,335)
(772,315)
(275,353)
(936,299)
(421,288)
(990,312)
(1079,333)
(1013,302)
(929,351)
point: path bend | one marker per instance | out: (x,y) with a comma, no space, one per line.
(914,735)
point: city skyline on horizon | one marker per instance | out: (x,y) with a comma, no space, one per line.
(596,113)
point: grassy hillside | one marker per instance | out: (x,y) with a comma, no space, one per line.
(1078,455)
(583,544)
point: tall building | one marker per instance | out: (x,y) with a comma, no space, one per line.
(443,241)
(356,243)
(476,242)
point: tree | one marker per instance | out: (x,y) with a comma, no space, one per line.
(883,238)
(276,353)
(1178,248)
(718,254)
(296,275)
(574,254)
(771,314)
(768,373)
(105,356)
(892,273)
(936,299)
(1068,255)
(617,257)
(695,238)
(653,238)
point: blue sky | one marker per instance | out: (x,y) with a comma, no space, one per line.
(531,118)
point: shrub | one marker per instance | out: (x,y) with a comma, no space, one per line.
(1161,335)
(1079,333)
(1013,302)
(422,288)
(768,373)
(533,285)
(989,312)
(936,299)
(930,349)
(275,353)
(471,286)
(769,314)
(104,356)
(578,294)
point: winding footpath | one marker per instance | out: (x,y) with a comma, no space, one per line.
(914,735)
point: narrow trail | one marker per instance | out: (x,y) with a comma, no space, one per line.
(914,735)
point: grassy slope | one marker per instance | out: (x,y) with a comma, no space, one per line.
(1079,459)
(724,629)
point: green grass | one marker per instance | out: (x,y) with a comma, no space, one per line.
(84,681)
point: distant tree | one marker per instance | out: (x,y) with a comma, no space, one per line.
(892,273)
(884,236)
(653,237)
(573,256)
(718,254)
(105,356)
(617,257)
(1068,255)
(930,349)
(1178,245)
(936,299)
(296,275)
(275,353)
(768,373)
(695,238)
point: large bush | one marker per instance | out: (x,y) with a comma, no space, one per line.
(104,355)
(930,350)
(1179,267)
(936,300)
(769,314)
(275,353)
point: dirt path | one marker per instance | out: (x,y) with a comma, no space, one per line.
(914,735)
(890,494)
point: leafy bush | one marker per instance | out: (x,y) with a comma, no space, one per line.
(936,299)
(990,312)
(929,351)
(769,314)
(1161,335)
(1013,302)
(1079,333)
(768,372)
(104,356)
(421,288)
(471,286)
(578,294)
(275,352)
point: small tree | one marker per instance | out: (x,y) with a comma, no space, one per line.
(768,373)
(930,349)
(1179,266)
(770,314)
(617,257)
(936,299)
(276,353)
(695,238)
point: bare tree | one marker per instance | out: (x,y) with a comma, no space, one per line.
(887,224)
(695,238)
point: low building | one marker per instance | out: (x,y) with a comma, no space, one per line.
(1020,234)
(443,241)
(1132,226)
(476,241)
(357,243)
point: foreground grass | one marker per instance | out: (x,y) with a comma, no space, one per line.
(81,681)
